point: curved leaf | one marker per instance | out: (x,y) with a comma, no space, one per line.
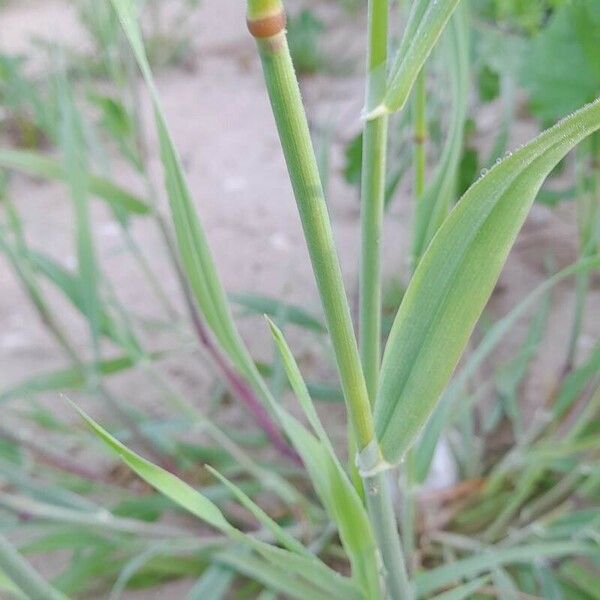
(312,572)
(455,279)
(425,25)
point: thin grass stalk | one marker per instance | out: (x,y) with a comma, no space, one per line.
(247,386)
(373,198)
(420,133)
(383,519)
(22,267)
(373,185)
(266,22)
(237,384)
(23,575)
(409,511)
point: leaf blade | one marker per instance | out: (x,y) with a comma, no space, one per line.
(456,277)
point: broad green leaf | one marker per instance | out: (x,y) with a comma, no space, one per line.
(455,279)
(38,165)
(426,23)
(445,412)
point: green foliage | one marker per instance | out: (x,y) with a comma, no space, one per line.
(455,279)
(304,33)
(569,45)
(523,517)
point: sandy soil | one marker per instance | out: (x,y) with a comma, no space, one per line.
(220,119)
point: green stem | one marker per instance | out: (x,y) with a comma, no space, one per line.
(420,132)
(373,194)
(409,509)
(268,27)
(373,180)
(23,575)
(373,198)
(286,102)
(383,520)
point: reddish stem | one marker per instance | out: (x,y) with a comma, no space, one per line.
(240,387)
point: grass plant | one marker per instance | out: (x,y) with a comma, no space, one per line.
(522,521)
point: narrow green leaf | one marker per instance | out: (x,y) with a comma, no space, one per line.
(74,160)
(193,245)
(583,578)
(73,289)
(214,583)
(264,305)
(165,482)
(463,592)
(23,575)
(426,24)
(277,579)
(284,538)
(317,573)
(575,382)
(44,167)
(455,279)
(328,476)
(299,386)
(487,560)
(6,585)
(444,414)
(71,378)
